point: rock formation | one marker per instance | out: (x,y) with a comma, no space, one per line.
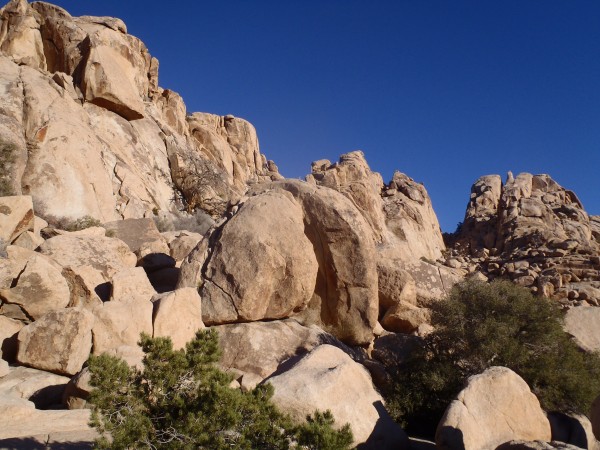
(495,407)
(92,132)
(534,232)
(122,214)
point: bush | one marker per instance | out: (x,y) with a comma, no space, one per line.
(498,324)
(197,222)
(67,224)
(7,159)
(181,400)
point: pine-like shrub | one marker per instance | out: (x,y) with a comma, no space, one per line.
(181,400)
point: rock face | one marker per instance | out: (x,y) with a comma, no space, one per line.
(535,232)
(320,380)
(94,134)
(495,407)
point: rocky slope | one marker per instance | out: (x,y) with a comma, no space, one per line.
(299,277)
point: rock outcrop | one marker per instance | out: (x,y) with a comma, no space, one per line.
(533,231)
(91,131)
(495,407)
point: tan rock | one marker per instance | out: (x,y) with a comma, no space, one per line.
(40,288)
(131,285)
(170,309)
(4,370)
(260,348)
(21,37)
(133,355)
(29,240)
(321,380)
(432,281)
(263,266)
(134,232)
(414,231)
(109,77)
(16,217)
(58,342)
(88,286)
(345,299)
(120,321)
(183,244)
(405,318)
(582,323)
(108,255)
(352,177)
(63,153)
(495,407)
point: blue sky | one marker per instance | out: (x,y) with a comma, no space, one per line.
(442,90)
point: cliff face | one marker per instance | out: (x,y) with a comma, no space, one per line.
(95,134)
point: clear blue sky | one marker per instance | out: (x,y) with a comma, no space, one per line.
(442,90)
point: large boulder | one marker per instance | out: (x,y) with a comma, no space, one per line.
(134,232)
(495,407)
(58,342)
(40,288)
(169,310)
(263,266)
(108,255)
(322,380)
(345,300)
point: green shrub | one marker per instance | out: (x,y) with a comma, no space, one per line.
(498,324)
(82,223)
(8,156)
(181,400)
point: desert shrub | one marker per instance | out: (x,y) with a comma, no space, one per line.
(181,400)
(197,222)
(66,223)
(82,223)
(8,156)
(497,324)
